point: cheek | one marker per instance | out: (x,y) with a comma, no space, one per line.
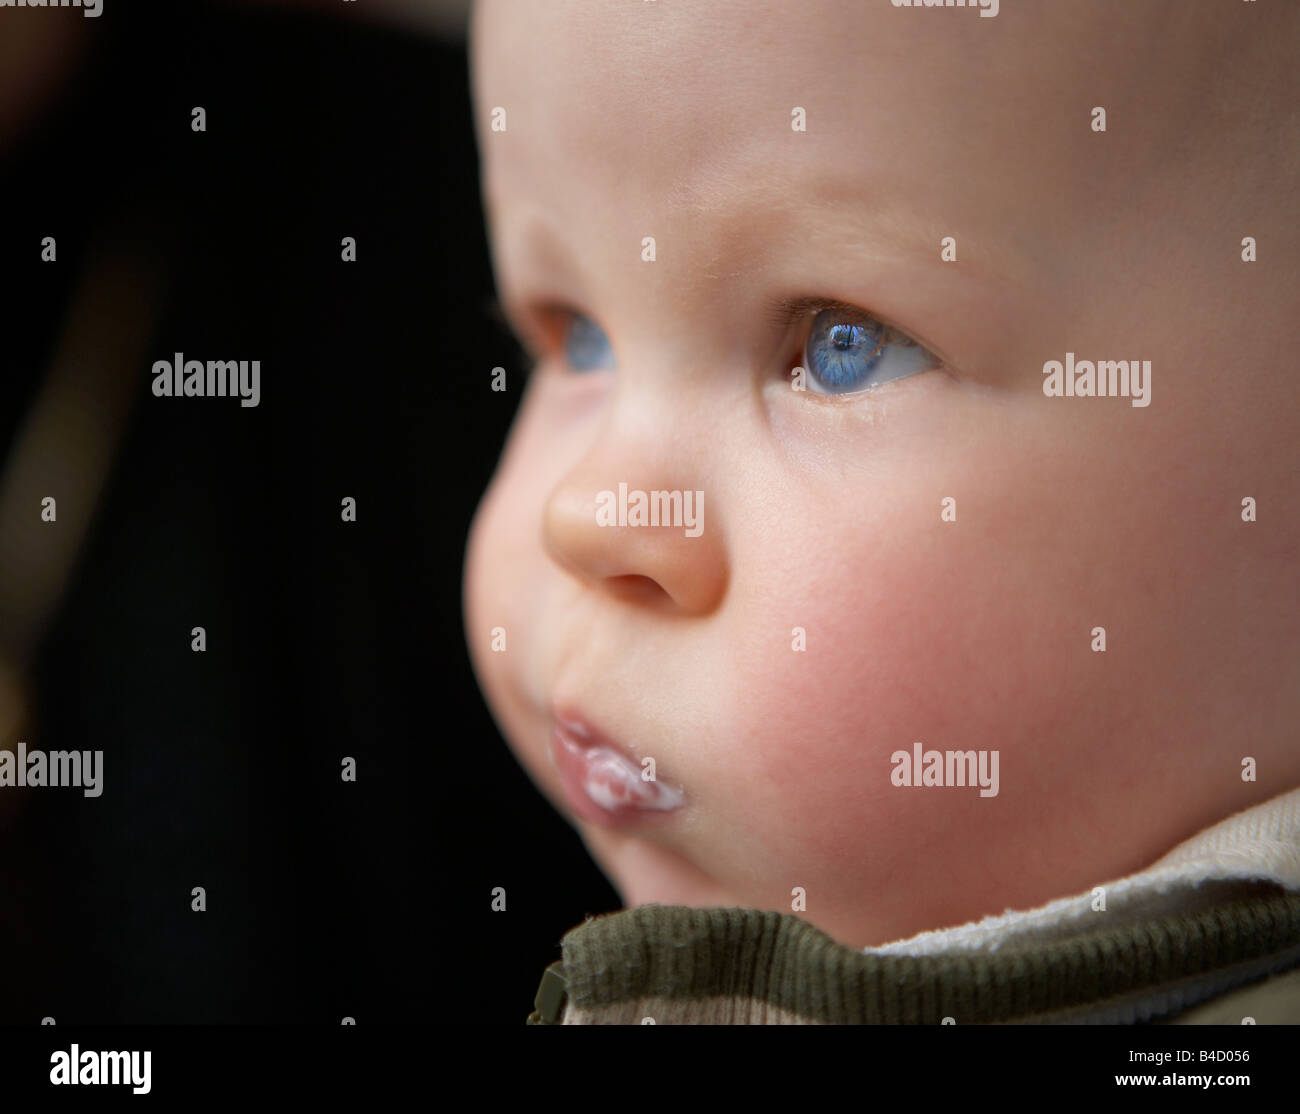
(916,631)
(503,553)
(489,610)
(969,635)
(500,596)
(884,665)
(512,587)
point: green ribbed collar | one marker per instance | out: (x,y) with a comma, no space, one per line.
(745,966)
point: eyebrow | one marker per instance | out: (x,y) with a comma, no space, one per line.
(887,228)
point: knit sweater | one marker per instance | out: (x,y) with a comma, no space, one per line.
(1209,934)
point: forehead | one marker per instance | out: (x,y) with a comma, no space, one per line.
(691,101)
(918,121)
(621,74)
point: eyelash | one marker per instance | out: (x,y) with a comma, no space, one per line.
(784,313)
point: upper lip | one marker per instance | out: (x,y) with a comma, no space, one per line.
(586,734)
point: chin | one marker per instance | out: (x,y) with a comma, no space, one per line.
(645,873)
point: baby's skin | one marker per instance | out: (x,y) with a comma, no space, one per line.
(923,545)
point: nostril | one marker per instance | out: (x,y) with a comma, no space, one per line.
(635,588)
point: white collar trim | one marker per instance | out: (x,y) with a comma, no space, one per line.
(1261,844)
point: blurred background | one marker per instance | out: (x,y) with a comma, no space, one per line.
(325,639)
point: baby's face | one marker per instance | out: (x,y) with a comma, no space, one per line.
(829,609)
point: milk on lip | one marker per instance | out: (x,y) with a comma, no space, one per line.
(613,782)
(608,777)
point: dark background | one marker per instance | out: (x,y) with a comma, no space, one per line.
(325,639)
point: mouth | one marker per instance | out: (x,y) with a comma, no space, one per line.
(603,782)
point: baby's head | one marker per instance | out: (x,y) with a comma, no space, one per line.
(929,538)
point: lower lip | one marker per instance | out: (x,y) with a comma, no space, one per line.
(602,785)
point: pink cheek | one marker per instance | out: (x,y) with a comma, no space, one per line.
(817,720)
(878,669)
(500,593)
(904,654)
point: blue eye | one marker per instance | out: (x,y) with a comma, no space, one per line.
(586,347)
(849,352)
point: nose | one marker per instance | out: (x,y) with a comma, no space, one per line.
(631,522)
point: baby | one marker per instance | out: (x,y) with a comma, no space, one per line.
(899,527)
